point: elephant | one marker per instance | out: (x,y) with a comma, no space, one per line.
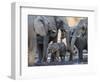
(82,41)
(78,37)
(42,30)
(57,51)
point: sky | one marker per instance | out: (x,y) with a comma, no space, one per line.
(72,21)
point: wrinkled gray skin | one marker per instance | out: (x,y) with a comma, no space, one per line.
(57,50)
(41,30)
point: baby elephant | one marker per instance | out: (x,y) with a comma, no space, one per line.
(57,51)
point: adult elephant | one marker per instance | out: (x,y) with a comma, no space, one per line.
(81,40)
(42,30)
(78,37)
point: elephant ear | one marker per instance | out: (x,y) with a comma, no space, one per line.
(39,26)
(46,23)
(83,23)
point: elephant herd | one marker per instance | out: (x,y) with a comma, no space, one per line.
(43,39)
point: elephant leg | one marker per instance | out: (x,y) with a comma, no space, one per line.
(69,46)
(57,56)
(61,56)
(79,44)
(80,55)
(71,55)
(63,59)
(40,52)
(45,45)
(68,40)
(52,58)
